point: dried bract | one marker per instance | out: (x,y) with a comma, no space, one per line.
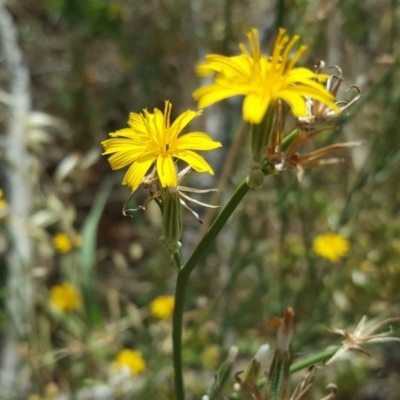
(363,335)
(150,183)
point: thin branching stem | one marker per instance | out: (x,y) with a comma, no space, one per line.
(303,364)
(184,271)
(177,323)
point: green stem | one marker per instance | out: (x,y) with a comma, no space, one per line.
(324,355)
(289,139)
(184,271)
(316,358)
(177,257)
(216,227)
(177,323)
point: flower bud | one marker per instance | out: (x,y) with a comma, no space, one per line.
(279,373)
(260,134)
(172,218)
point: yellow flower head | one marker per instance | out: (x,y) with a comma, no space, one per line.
(162,307)
(130,359)
(331,246)
(151,139)
(51,390)
(262,80)
(34,397)
(64,243)
(66,297)
(3,203)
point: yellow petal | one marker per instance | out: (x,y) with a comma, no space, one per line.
(136,172)
(305,91)
(204,70)
(213,93)
(123,158)
(198,163)
(166,171)
(215,63)
(136,122)
(254,108)
(114,145)
(196,141)
(238,66)
(180,123)
(308,83)
(158,119)
(296,102)
(152,126)
(301,73)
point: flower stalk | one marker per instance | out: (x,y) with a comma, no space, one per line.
(184,271)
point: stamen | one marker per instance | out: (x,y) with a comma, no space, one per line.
(243,49)
(294,60)
(287,50)
(167,114)
(254,44)
(279,45)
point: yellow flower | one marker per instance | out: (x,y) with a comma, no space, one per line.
(51,390)
(64,244)
(34,397)
(66,297)
(151,139)
(263,80)
(130,359)
(211,357)
(162,307)
(331,246)
(3,203)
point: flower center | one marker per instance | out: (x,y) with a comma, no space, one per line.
(163,149)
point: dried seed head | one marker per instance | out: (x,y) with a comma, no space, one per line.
(319,113)
(363,335)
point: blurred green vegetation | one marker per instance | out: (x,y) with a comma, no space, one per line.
(93,62)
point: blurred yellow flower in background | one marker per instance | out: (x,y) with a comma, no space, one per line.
(66,297)
(151,139)
(3,203)
(64,243)
(51,390)
(331,246)
(210,357)
(262,80)
(131,359)
(162,307)
(34,396)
